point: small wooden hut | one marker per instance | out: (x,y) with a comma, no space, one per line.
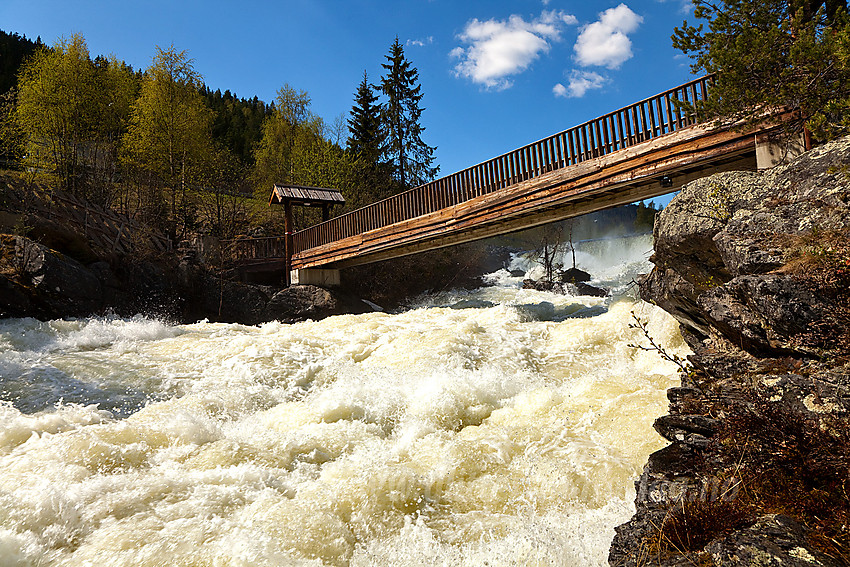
(289,195)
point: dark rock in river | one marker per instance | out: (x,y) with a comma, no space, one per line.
(755,266)
(14,299)
(47,284)
(582,288)
(543,285)
(574,275)
(301,302)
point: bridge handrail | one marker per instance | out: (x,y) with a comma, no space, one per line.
(633,124)
(252,248)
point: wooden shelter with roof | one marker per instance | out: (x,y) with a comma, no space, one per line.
(289,195)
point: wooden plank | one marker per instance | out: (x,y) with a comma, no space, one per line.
(622,134)
(652,122)
(660,114)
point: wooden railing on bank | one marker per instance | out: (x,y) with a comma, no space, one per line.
(246,249)
(104,228)
(640,122)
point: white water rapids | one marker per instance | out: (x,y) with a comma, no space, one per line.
(509,432)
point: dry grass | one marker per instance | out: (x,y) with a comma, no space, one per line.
(794,463)
(821,261)
(691,525)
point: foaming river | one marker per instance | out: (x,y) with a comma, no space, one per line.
(495,427)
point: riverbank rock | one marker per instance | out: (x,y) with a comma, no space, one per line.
(37,281)
(755,266)
(301,302)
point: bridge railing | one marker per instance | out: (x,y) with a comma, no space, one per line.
(247,248)
(642,121)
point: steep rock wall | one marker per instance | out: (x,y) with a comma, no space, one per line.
(756,268)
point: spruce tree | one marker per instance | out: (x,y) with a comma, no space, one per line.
(409,156)
(365,144)
(364,126)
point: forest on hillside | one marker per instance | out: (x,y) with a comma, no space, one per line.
(162,147)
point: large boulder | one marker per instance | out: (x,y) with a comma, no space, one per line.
(721,244)
(14,299)
(301,302)
(64,284)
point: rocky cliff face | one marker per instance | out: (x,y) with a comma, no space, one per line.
(756,268)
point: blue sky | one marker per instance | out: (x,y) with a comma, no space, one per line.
(495,74)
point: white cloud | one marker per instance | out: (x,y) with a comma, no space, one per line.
(605,42)
(420,42)
(685,6)
(498,49)
(580,82)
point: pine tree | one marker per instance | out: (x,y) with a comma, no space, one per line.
(774,55)
(409,156)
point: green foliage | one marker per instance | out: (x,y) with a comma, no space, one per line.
(410,158)
(364,127)
(238,122)
(70,112)
(365,141)
(772,55)
(299,148)
(289,132)
(12,138)
(645,216)
(167,150)
(169,133)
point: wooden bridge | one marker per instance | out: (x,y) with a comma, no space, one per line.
(638,152)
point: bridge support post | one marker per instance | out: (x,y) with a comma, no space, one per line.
(771,151)
(287,220)
(322,277)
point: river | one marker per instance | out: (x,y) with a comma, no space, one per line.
(492,427)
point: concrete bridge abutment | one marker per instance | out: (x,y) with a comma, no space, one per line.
(321,277)
(772,150)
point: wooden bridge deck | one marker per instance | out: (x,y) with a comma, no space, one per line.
(644,150)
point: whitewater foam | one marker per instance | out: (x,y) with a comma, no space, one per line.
(503,433)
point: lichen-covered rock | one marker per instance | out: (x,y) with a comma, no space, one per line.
(755,266)
(772,541)
(762,313)
(723,228)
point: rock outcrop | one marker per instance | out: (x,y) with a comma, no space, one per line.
(756,268)
(37,281)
